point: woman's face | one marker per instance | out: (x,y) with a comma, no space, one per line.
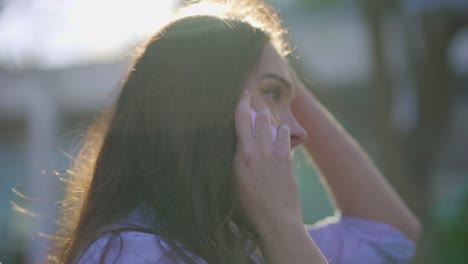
(271,84)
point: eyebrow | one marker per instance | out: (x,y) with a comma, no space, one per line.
(277,77)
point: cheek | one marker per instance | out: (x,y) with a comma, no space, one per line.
(257,100)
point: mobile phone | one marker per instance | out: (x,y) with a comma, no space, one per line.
(274,129)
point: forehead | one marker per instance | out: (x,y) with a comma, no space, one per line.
(271,62)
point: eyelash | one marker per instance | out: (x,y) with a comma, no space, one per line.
(274,93)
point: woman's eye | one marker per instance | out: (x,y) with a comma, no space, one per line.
(273,93)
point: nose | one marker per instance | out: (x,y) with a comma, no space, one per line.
(298,135)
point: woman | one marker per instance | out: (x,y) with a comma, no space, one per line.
(177,172)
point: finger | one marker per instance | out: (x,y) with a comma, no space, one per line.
(243,120)
(283,139)
(262,128)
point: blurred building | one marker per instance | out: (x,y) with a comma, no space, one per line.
(42,113)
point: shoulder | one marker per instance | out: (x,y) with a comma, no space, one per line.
(132,246)
(124,247)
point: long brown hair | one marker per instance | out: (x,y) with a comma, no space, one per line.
(169,141)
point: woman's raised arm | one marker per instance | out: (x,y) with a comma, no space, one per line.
(357,186)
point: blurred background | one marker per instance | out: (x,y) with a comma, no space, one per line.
(394,73)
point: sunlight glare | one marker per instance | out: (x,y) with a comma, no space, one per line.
(110,25)
(52,34)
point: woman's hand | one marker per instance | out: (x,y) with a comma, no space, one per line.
(265,181)
(267,189)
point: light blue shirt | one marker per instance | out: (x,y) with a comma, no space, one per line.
(343,240)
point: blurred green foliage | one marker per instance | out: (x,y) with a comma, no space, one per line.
(314,199)
(451,227)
